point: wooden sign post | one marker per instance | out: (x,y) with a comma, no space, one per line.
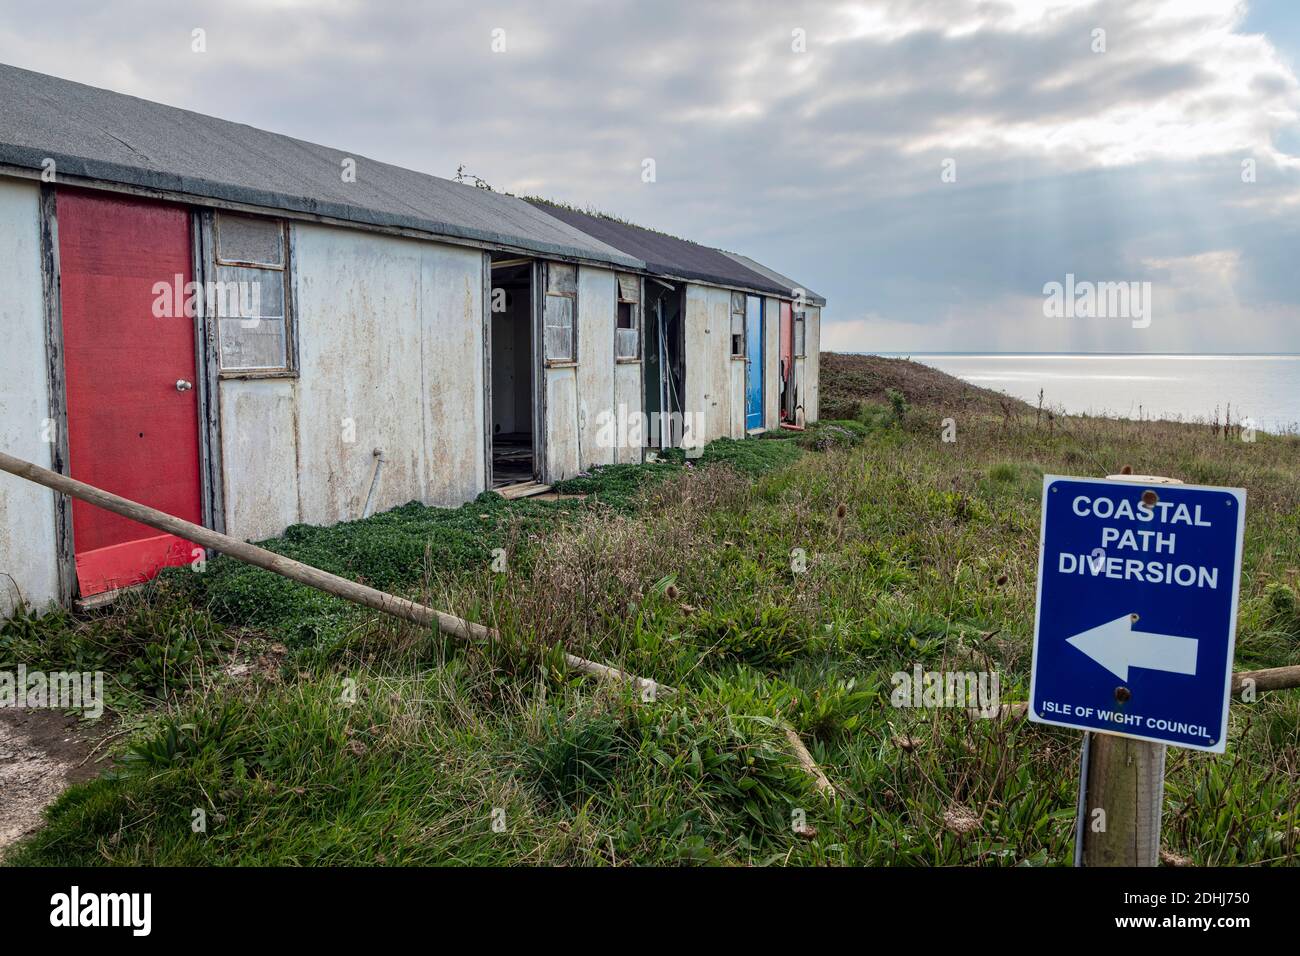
(1124,779)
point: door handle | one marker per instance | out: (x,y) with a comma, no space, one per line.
(183,386)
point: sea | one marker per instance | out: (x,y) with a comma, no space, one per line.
(1261,390)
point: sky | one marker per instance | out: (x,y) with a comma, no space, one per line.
(930,167)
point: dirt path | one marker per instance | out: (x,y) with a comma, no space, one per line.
(41,753)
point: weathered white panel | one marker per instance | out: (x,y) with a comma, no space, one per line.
(708,359)
(737,398)
(259,443)
(597,315)
(452,321)
(28,551)
(362,382)
(562,456)
(631,403)
(700,403)
(390,341)
(813,348)
(772,362)
(724,382)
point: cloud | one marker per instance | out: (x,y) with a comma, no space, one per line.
(824,164)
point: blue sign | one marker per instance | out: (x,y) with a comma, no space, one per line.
(1137,609)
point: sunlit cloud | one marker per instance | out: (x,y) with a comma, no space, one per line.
(1118,155)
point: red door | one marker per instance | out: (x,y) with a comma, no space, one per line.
(131,430)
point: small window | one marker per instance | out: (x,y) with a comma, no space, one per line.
(560,311)
(799,331)
(737,325)
(627,322)
(250,294)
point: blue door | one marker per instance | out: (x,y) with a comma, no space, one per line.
(753,362)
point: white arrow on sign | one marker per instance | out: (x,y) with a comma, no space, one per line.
(1117,647)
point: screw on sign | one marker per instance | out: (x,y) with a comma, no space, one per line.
(1133,640)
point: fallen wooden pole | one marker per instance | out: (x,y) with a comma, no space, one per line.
(295,570)
(1272,678)
(806,761)
(341,587)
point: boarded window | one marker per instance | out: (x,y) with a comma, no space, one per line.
(249,294)
(799,326)
(561,279)
(243,239)
(627,321)
(737,325)
(559,312)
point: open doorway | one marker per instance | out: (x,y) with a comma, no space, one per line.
(514,450)
(789,386)
(665,364)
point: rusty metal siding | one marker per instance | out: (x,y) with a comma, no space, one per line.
(28,550)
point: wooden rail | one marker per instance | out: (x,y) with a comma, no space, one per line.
(295,570)
(1270,678)
(348,590)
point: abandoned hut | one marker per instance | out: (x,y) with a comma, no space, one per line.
(746,326)
(250,331)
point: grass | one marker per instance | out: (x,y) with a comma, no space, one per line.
(776,580)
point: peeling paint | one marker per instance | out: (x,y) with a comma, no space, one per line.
(812,363)
(713,388)
(390,357)
(597,313)
(28,550)
(260,448)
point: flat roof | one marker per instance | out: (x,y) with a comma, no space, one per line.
(120,139)
(809,295)
(667,255)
